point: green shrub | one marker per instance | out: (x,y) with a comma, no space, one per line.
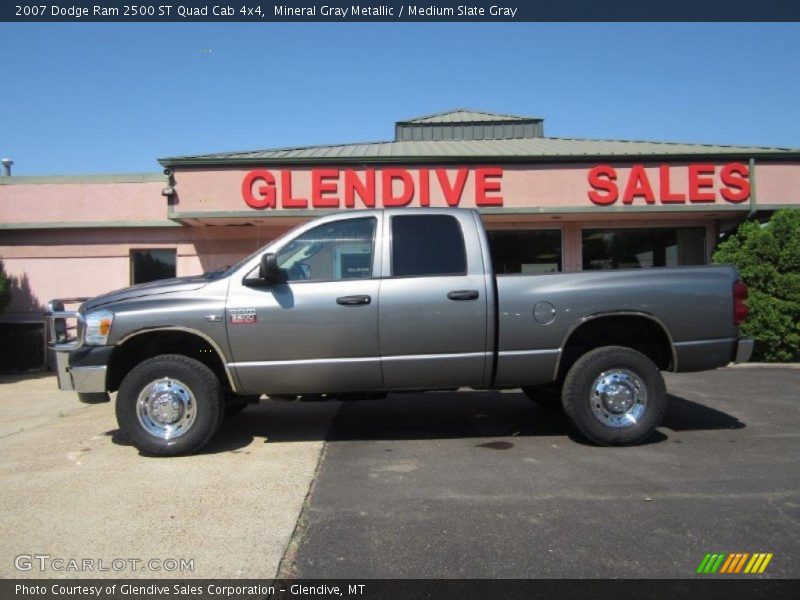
(5,289)
(768,258)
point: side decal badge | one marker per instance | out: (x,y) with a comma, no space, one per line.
(242,316)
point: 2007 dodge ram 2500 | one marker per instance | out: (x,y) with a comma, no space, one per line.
(390,300)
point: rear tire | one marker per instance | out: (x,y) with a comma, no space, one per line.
(614,396)
(547,396)
(170,405)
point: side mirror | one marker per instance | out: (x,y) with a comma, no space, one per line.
(269,271)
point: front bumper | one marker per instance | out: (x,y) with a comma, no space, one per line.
(744,350)
(84,370)
(80,368)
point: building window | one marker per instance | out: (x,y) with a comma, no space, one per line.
(424,245)
(525,250)
(150,265)
(643,248)
(338,250)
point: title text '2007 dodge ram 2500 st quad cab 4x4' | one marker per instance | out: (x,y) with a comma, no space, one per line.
(396,300)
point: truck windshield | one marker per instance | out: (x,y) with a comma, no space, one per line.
(217,273)
(225,271)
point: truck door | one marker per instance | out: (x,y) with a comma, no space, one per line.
(318,332)
(433,303)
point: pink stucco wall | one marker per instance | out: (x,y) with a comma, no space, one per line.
(47,264)
(778,183)
(82,202)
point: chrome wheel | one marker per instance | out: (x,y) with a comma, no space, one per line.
(618,398)
(166,408)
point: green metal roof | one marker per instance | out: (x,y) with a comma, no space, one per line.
(465,124)
(464,134)
(525,149)
(465,115)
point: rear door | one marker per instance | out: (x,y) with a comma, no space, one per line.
(432,320)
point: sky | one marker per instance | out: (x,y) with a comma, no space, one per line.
(112,98)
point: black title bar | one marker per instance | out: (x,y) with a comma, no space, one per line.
(389,11)
(388,589)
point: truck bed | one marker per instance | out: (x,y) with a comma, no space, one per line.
(692,304)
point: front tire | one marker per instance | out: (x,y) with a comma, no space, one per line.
(170,405)
(614,396)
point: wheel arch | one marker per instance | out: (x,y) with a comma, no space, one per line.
(142,344)
(602,329)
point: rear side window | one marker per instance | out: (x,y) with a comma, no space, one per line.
(427,245)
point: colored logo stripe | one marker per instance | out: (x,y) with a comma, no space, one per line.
(735,562)
(721,562)
(727,564)
(758,563)
(711,563)
(703,564)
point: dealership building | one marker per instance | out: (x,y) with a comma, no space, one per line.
(550,204)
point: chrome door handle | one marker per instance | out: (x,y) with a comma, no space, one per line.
(353,300)
(463,295)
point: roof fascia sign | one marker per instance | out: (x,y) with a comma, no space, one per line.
(483,186)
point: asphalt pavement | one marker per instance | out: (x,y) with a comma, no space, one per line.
(479,484)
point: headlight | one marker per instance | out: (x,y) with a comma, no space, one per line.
(98,326)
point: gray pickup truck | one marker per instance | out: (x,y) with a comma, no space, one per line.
(370,302)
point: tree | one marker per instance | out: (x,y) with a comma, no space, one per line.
(5,289)
(768,258)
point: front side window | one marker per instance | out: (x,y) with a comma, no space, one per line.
(643,248)
(151,265)
(336,250)
(424,245)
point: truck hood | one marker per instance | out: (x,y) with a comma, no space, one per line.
(164,286)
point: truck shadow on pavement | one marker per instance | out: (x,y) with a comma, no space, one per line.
(430,416)
(686,415)
(26,376)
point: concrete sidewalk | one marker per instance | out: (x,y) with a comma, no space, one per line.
(71,488)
